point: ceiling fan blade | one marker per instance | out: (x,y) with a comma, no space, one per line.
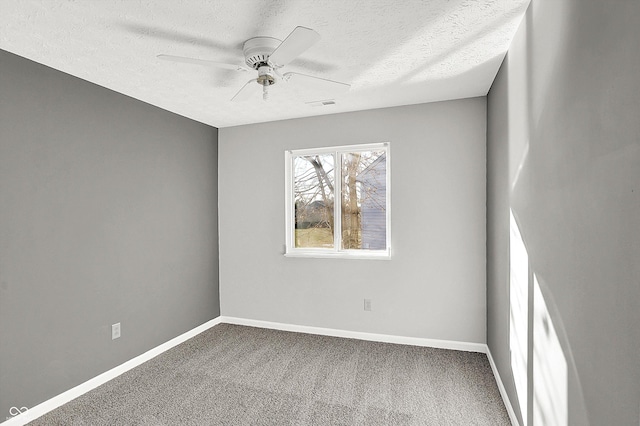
(249,90)
(300,39)
(201,62)
(316,83)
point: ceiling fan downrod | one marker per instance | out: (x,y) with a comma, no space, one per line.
(265,78)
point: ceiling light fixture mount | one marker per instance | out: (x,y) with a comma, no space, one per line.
(257,50)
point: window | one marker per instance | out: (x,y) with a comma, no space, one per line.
(337,202)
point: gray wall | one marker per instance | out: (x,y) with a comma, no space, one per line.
(433,287)
(564,154)
(108,213)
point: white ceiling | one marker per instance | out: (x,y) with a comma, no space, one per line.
(393,52)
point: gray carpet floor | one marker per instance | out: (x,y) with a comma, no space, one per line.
(236,375)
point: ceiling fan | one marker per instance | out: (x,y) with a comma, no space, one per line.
(268,56)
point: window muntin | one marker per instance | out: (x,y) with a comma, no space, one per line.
(338,201)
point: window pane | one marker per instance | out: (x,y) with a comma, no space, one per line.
(313,197)
(364,200)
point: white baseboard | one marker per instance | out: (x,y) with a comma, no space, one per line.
(402,340)
(503,391)
(73,393)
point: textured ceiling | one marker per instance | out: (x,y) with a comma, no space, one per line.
(392,52)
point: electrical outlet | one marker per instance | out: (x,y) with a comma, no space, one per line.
(367,304)
(115,331)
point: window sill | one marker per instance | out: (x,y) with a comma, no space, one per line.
(380,255)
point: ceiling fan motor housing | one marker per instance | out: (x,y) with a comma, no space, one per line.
(257,51)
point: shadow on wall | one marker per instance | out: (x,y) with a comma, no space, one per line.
(544,370)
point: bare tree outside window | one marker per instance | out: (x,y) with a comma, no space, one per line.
(363,199)
(314,200)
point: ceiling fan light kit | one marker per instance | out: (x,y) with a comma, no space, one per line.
(267,55)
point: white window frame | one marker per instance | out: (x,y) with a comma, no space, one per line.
(335,252)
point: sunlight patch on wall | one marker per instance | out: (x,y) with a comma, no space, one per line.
(519,313)
(550,379)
